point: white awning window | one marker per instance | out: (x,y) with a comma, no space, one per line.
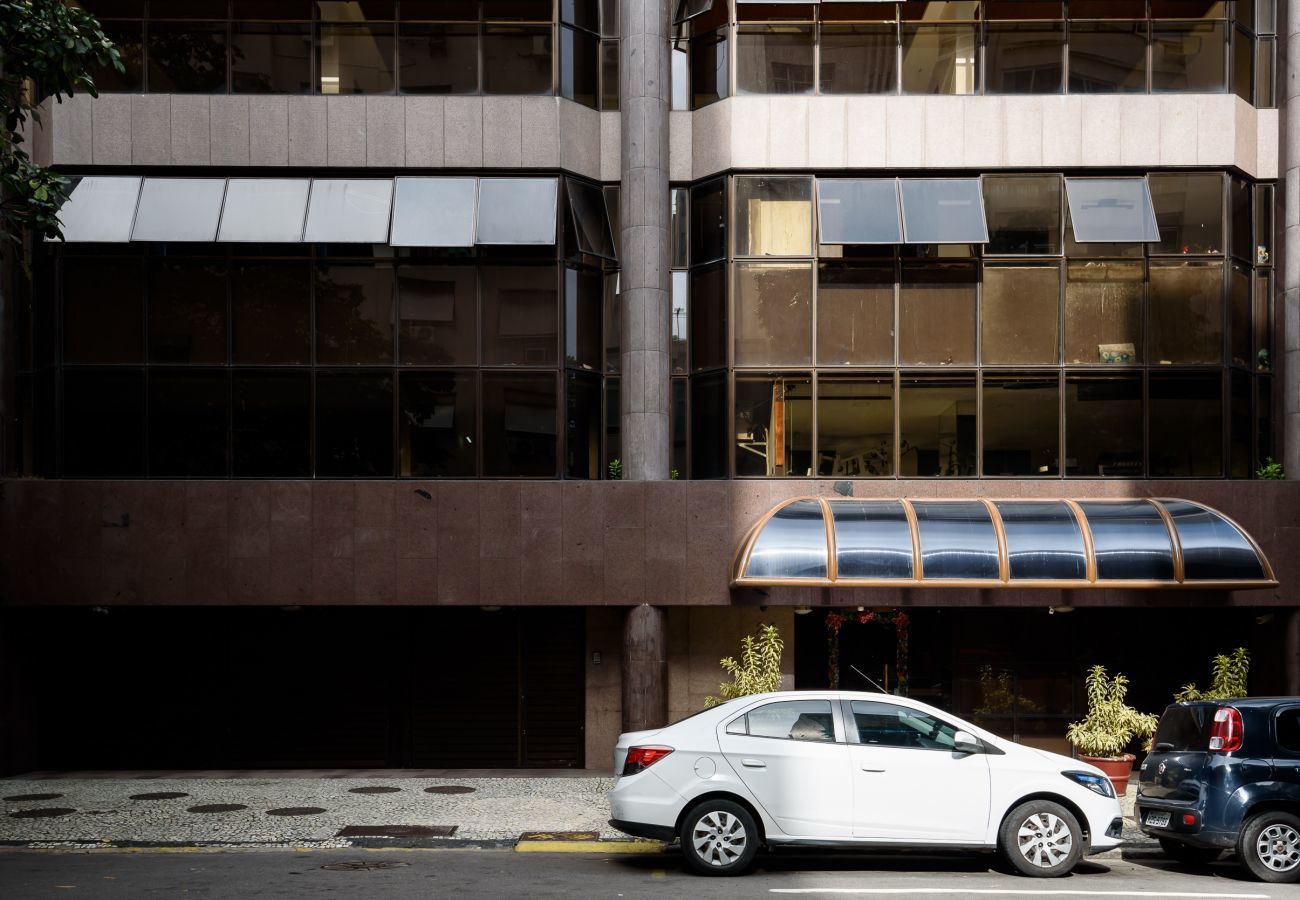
(179,209)
(516,210)
(433,212)
(100,209)
(858,211)
(1111,210)
(943,211)
(345,211)
(264,210)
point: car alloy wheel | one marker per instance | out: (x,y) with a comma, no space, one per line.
(1269,846)
(719,837)
(1278,847)
(1041,839)
(1044,840)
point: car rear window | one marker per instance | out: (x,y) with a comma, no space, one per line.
(1184,728)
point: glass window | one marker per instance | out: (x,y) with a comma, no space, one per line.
(1265,72)
(516,210)
(270,58)
(271,424)
(433,212)
(1241,425)
(796,720)
(681,75)
(1108,57)
(1043,540)
(1243,65)
(678,227)
(613,424)
(1186,313)
(354,424)
(187,57)
(583,13)
(957,540)
(708,210)
(1103,312)
(855,314)
(614,319)
(1024,57)
(517,59)
(1263,419)
(1189,9)
(1186,427)
(355,58)
(859,59)
(937,426)
(187,312)
(273,9)
(679,345)
(438,59)
(1189,57)
(936,314)
(1263,245)
(1103,425)
(579,66)
(188,9)
(103,310)
(1288,729)
(354,315)
(773,216)
(855,426)
(940,59)
(708,426)
(774,59)
(187,422)
(1242,220)
(1189,212)
(179,209)
(270,311)
(858,211)
(707,319)
(437,421)
(264,210)
(519,316)
(1109,210)
(1263,356)
(678,427)
(1024,214)
(942,211)
(1130,539)
(773,425)
(773,314)
(439,315)
(1240,310)
(100,209)
(128,38)
(1019,320)
(582,422)
(103,422)
(1021,424)
(582,307)
(609,62)
(519,424)
(888,725)
(709,81)
(349,211)
(590,218)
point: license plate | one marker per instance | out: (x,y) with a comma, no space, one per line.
(1158,819)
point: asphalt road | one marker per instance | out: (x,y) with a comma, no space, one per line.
(425,874)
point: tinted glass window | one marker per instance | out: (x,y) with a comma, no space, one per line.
(187,312)
(773,216)
(859,59)
(773,425)
(942,211)
(519,316)
(270,308)
(270,58)
(1020,319)
(128,37)
(1021,420)
(354,314)
(1189,57)
(1288,730)
(1103,425)
(708,222)
(709,77)
(582,400)
(1103,312)
(797,720)
(437,419)
(858,211)
(187,58)
(940,59)
(936,314)
(708,317)
(1186,313)
(517,59)
(1186,427)
(103,422)
(583,299)
(774,59)
(957,540)
(855,314)
(355,59)
(519,425)
(937,426)
(579,66)
(1184,728)
(439,315)
(773,307)
(438,59)
(354,425)
(889,725)
(1024,57)
(187,423)
(872,540)
(1189,213)
(1024,214)
(1108,57)
(103,310)
(855,426)
(708,426)
(271,424)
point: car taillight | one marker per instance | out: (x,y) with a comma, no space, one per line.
(641,758)
(1227,731)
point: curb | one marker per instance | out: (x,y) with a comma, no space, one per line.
(596,846)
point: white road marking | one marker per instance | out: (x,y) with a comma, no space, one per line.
(1003,892)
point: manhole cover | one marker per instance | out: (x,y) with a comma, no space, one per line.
(295,811)
(160,795)
(559,836)
(48,812)
(217,808)
(363,866)
(23,798)
(397,831)
(449,789)
(375,790)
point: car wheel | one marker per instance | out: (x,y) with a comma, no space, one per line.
(1269,845)
(1041,839)
(719,838)
(1187,854)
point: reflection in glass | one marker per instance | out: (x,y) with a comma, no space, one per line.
(590,218)
(613,321)
(940,59)
(773,314)
(1019,319)
(942,211)
(872,539)
(270,58)
(1021,419)
(355,59)
(1110,210)
(858,59)
(708,222)
(579,66)
(438,59)
(519,424)
(773,425)
(582,422)
(270,313)
(1239,309)
(582,324)
(858,211)
(519,316)
(1108,57)
(707,318)
(354,425)
(1188,57)
(773,216)
(1186,425)
(271,424)
(937,431)
(1103,425)
(517,59)
(678,344)
(677,258)
(1189,212)
(1103,312)
(855,426)
(936,314)
(957,540)
(128,38)
(1263,356)
(1240,424)
(792,544)
(103,310)
(679,460)
(774,59)
(1043,540)
(187,57)
(103,422)
(433,212)
(1186,313)
(709,426)
(516,210)
(1242,219)
(1024,57)
(1213,550)
(438,306)
(1024,214)
(855,314)
(1243,64)
(187,422)
(354,315)
(1130,541)
(187,312)
(709,81)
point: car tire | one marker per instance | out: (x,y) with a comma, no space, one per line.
(1187,854)
(1041,839)
(1269,846)
(719,837)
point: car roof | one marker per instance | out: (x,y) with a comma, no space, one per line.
(1249,702)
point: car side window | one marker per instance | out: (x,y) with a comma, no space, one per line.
(1288,729)
(796,720)
(890,725)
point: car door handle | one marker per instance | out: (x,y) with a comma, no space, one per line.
(753,763)
(869,769)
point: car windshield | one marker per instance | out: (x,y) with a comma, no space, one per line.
(1184,728)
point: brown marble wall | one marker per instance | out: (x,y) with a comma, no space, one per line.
(495,542)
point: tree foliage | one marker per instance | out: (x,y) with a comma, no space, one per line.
(1111,724)
(759,669)
(1230,673)
(47,49)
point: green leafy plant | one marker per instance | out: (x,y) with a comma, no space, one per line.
(1111,724)
(998,695)
(759,669)
(1270,471)
(1230,673)
(615,470)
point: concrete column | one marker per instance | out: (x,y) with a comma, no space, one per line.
(645,669)
(644,102)
(1288,47)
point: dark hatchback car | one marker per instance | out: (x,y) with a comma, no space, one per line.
(1225,775)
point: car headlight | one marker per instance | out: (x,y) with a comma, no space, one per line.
(1098,784)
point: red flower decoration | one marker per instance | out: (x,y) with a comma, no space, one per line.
(865,617)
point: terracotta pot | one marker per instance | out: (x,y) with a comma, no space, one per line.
(1117,769)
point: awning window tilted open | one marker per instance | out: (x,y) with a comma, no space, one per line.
(179,209)
(590,218)
(264,210)
(100,209)
(434,212)
(858,211)
(1111,210)
(901,211)
(1065,544)
(349,211)
(943,211)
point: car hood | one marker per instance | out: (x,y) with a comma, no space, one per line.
(1060,763)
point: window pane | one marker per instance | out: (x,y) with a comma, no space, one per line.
(433,212)
(1264,420)
(774,59)
(887,725)
(1189,213)
(855,315)
(354,425)
(579,66)
(272,9)
(855,426)
(517,10)
(519,434)
(709,426)
(354,315)
(1263,356)
(614,319)
(937,426)
(590,218)
(1103,425)
(680,218)
(1021,418)
(709,79)
(1243,65)
(1103,312)
(179,209)
(270,307)
(128,38)
(437,424)
(1110,210)
(773,314)
(438,59)
(270,58)
(942,211)
(103,422)
(613,425)
(773,425)
(797,720)
(1186,313)
(187,58)
(707,318)
(681,75)
(708,222)
(858,211)
(1239,311)
(609,60)
(103,310)
(773,216)
(1265,73)
(517,59)
(1020,315)
(1241,423)
(582,419)
(187,423)
(100,209)
(936,315)
(1189,9)
(680,458)
(859,59)
(940,59)
(271,424)
(349,211)
(187,312)
(264,210)
(517,210)
(940,11)
(1108,57)
(439,315)
(1186,428)
(519,316)
(355,59)
(583,13)
(1242,219)
(582,321)
(1188,57)
(1024,214)
(187,9)
(1024,58)
(1263,244)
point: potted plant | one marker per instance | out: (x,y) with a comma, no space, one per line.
(1103,736)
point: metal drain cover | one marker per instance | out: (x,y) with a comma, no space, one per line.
(363,866)
(48,812)
(22,798)
(397,831)
(160,795)
(376,789)
(217,808)
(449,789)
(295,811)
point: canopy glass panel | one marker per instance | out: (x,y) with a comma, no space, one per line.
(792,543)
(1044,542)
(872,539)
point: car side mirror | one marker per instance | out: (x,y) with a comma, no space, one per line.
(965,742)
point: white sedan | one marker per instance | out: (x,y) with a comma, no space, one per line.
(871,770)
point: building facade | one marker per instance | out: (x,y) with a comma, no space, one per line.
(433,384)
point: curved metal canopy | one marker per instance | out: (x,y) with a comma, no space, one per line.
(1069,544)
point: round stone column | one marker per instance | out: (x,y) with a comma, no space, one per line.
(645,669)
